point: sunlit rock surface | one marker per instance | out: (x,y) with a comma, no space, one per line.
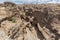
(29,22)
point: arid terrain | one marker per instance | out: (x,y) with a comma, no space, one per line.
(29,22)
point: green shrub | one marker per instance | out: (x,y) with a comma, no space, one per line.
(12,19)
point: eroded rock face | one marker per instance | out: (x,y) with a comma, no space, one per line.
(3,13)
(3,35)
(29,22)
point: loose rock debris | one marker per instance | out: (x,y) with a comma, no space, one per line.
(29,22)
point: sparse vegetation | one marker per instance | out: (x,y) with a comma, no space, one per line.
(12,19)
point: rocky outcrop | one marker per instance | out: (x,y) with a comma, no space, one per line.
(29,22)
